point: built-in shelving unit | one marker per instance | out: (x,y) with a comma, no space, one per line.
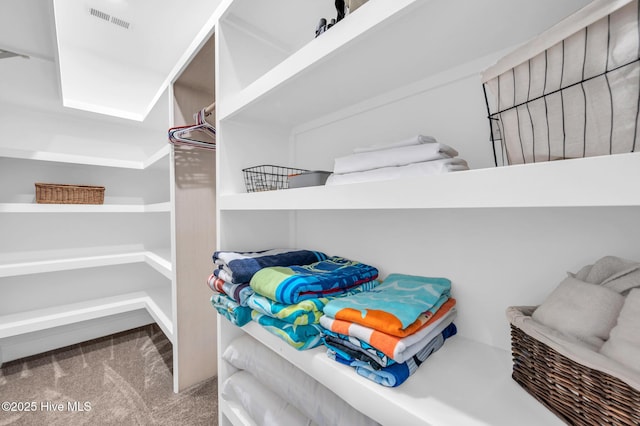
(73,272)
(126,239)
(504,236)
(70,273)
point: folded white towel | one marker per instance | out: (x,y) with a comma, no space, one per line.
(414,140)
(393,157)
(413,170)
(624,341)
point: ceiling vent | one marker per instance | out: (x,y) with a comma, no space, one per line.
(100,14)
(106,17)
(124,24)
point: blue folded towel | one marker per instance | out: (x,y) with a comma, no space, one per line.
(239,266)
(329,277)
(396,374)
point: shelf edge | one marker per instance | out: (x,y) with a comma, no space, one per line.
(69,158)
(309,55)
(13,325)
(566,183)
(35,267)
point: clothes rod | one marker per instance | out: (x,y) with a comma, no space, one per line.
(208,110)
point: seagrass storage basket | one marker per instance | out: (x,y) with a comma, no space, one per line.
(571,92)
(51,193)
(577,394)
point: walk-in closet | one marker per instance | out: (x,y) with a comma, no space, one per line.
(371,212)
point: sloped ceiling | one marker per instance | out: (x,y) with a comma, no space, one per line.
(113,57)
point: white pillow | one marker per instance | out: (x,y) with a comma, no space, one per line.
(313,399)
(624,340)
(263,406)
(580,309)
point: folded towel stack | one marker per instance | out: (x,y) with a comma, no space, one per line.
(284,290)
(413,157)
(387,332)
(230,279)
(384,331)
(288,301)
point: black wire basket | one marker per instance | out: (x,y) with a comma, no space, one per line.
(578,97)
(268,177)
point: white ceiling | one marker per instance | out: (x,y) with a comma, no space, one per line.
(104,67)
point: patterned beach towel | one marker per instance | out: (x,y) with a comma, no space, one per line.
(238,292)
(329,277)
(397,374)
(300,337)
(239,266)
(305,312)
(230,309)
(397,348)
(348,347)
(393,306)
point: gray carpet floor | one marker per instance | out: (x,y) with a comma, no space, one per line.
(123,379)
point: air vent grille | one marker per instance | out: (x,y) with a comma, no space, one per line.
(107,17)
(100,14)
(118,21)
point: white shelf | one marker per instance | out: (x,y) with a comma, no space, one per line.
(464,383)
(584,182)
(10,152)
(321,72)
(156,261)
(155,301)
(158,304)
(311,54)
(411,67)
(83,208)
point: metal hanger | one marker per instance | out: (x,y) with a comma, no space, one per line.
(200,135)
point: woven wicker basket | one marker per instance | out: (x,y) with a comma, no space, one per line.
(577,394)
(50,193)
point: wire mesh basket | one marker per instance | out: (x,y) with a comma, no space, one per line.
(573,95)
(268,177)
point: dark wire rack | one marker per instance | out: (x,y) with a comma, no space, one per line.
(268,177)
(577,98)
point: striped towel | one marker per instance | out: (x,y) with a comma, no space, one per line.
(305,312)
(329,277)
(397,374)
(239,266)
(394,306)
(350,348)
(238,292)
(397,348)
